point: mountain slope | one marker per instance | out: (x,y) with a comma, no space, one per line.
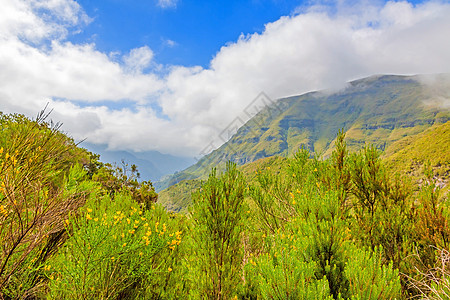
(431,148)
(408,156)
(178,197)
(378,110)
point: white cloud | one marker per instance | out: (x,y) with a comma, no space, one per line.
(138,59)
(170,43)
(314,49)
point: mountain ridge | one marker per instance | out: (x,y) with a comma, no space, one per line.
(379,109)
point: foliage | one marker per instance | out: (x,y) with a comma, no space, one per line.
(114,251)
(369,279)
(218,218)
(310,250)
(303,227)
(115,179)
(34,198)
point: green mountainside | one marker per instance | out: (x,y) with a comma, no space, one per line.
(178,197)
(337,226)
(424,152)
(409,156)
(378,110)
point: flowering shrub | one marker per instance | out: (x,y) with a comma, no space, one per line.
(114,251)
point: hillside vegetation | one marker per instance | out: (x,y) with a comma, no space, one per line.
(282,228)
(378,110)
(414,156)
(178,197)
(428,151)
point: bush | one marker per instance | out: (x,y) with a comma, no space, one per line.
(115,250)
(34,199)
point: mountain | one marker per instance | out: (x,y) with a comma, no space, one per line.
(379,109)
(152,165)
(428,149)
(178,197)
(408,156)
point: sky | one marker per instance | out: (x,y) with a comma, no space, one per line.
(172,75)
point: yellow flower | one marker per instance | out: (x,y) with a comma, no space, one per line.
(124,244)
(95,219)
(89,210)
(88,216)
(1,150)
(169,269)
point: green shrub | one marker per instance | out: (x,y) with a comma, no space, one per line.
(218,214)
(115,250)
(34,199)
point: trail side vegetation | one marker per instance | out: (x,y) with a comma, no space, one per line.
(305,227)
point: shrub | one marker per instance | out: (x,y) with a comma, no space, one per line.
(218,222)
(115,251)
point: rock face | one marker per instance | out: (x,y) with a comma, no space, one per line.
(378,110)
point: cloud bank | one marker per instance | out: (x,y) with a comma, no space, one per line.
(129,101)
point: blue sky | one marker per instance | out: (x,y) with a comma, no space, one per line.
(187,33)
(171,75)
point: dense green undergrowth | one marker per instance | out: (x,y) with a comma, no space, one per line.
(297,228)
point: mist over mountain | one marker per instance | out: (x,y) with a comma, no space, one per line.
(152,165)
(379,109)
